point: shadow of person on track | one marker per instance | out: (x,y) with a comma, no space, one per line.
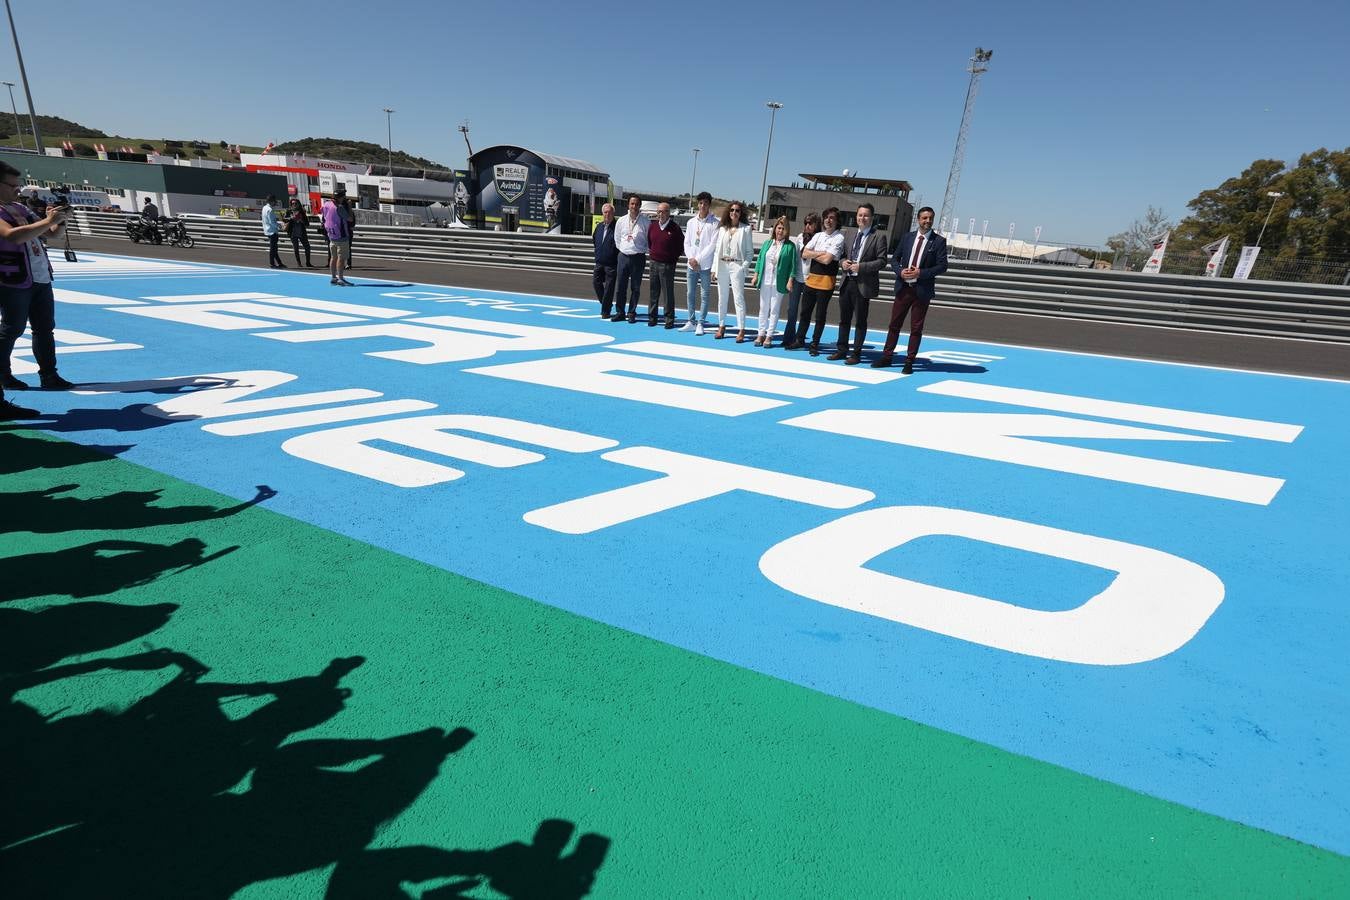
(534,871)
(43,512)
(20,452)
(101,567)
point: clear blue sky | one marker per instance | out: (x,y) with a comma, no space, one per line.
(1090,112)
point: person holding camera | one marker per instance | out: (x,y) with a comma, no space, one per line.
(297,226)
(26,289)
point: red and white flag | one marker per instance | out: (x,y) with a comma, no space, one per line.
(1154,263)
(1217,251)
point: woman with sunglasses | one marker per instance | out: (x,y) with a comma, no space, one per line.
(735,249)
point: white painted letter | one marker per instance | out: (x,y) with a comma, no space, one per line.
(1156,603)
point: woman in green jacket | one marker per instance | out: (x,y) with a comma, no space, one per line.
(775,275)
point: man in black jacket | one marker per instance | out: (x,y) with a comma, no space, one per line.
(606,260)
(864,258)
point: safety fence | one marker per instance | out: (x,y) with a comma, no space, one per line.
(1267,308)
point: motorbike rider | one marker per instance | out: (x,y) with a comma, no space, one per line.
(150,219)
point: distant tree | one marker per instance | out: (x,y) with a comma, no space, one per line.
(148,148)
(199,152)
(85,150)
(1311,219)
(1138,238)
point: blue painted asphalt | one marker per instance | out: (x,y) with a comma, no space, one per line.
(1246,720)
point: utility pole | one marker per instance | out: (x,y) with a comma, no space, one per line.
(23,76)
(693,176)
(18,129)
(774,106)
(389,137)
(979,64)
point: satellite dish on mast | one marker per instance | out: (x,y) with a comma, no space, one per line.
(846,173)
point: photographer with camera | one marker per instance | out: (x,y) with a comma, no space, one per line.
(26,288)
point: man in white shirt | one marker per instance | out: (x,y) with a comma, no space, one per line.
(630,235)
(823,254)
(272,230)
(700,242)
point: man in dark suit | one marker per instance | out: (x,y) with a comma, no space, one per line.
(606,260)
(920,257)
(863,261)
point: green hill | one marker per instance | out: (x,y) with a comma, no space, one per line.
(354,151)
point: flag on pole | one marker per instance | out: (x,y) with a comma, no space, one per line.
(1217,251)
(1155,260)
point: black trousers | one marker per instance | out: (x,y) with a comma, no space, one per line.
(20,308)
(602,278)
(662,282)
(629,290)
(817,302)
(853,306)
(300,239)
(273,257)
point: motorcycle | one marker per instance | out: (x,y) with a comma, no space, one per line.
(173,230)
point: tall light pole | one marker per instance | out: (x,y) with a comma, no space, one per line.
(774,107)
(18,129)
(1273,195)
(693,176)
(389,137)
(23,76)
(979,64)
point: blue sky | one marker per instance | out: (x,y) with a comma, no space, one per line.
(1089,112)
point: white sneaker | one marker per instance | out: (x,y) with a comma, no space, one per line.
(699,330)
(688,326)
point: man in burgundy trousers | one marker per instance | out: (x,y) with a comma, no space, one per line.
(920,257)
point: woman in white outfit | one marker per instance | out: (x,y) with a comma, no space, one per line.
(735,249)
(775,272)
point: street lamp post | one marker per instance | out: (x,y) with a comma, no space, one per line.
(774,107)
(23,76)
(1273,195)
(389,137)
(693,176)
(18,129)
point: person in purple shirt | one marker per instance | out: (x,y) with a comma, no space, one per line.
(339,240)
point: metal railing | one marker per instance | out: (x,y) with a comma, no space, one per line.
(1269,308)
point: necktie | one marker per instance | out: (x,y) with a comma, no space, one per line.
(857,245)
(918,248)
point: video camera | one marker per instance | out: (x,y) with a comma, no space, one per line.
(61,197)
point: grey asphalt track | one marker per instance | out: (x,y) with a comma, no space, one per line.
(1260,354)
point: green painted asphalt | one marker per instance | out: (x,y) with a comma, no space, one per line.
(175,726)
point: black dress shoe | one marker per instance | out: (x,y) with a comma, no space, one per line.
(814,350)
(632,318)
(10,411)
(670,323)
(617,317)
(881,362)
(836,355)
(792,346)
(651,323)
(54,382)
(907,370)
(853,360)
(13,384)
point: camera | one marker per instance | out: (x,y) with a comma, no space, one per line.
(61,197)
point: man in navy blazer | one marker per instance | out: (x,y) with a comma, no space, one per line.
(920,257)
(606,260)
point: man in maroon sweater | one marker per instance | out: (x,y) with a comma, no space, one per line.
(665,246)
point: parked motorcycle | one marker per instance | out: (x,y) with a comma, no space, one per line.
(157,232)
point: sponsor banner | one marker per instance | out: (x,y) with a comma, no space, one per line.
(1246,260)
(1155,259)
(1217,251)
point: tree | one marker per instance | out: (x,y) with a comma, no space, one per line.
(1138,238)
(148,148)
(1311,219)
(85,150)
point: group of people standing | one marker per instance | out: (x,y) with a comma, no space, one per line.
(802,271)
(339,225)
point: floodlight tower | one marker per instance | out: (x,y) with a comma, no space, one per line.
(979,64)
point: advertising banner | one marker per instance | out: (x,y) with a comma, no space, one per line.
(1245,262)
(1217,251)
(1155,260)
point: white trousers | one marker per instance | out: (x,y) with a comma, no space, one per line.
(731,277)
(769,301)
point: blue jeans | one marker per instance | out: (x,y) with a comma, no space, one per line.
(20,308)
(701,278)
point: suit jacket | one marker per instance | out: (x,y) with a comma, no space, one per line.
(871,260)
(932,262)
(606,252)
